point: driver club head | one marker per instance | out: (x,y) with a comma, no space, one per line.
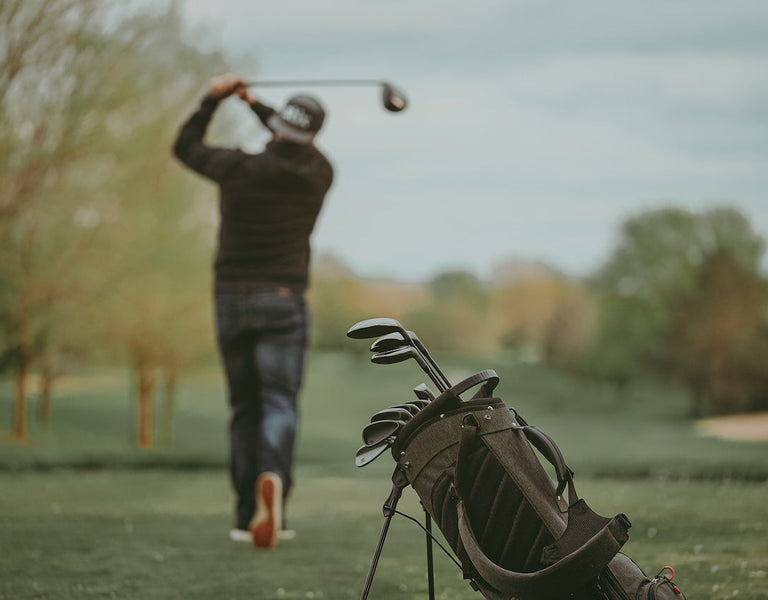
(393,99)
(378,431)
(371,328)
(404,353)
(388,342)
(396,355)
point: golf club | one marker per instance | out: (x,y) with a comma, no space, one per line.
(411,407)
(392,414)
(366,454)
(422,404)
(423,349)
(388,342)
(378,431)
(392,99)
(404,353)
(396,340)
(423,392)
(383,326)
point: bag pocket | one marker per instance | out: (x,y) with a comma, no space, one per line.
(623,579)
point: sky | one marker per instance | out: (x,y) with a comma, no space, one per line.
(533,130)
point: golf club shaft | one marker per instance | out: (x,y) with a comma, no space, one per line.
(416,342)
(435,375)
(396,339)
(313,82)
(409,352)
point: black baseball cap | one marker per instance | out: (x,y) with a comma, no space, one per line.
(300,120)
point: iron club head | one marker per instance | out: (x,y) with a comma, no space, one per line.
(367,454)
(411,407)
(377,431)
(423,392)
(392,414)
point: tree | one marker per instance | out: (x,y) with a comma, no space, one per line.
(543,313)
(720,336)
(39,140)
(656,265)
(86,163)
(455,317)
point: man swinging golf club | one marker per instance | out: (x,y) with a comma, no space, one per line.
(268,204)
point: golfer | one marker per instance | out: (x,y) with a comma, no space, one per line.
(268,205)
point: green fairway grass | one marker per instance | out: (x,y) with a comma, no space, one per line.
(639,433)
(84,514)
(160,535)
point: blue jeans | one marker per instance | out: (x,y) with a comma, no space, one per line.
(262,336)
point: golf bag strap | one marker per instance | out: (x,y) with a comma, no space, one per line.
(539,440)
(585,548)
(550,450)
(488,378)
(570,573)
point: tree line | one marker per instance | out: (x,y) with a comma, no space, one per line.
(105,243)
(682,297)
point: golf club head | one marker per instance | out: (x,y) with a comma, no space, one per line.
(422,404)
(392,98)
(411,407)
(392,414)
(388,342)
(394,356)
(423,392)
(371,328)
(367,454)
(378,431)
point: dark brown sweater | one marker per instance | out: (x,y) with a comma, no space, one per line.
(268,202)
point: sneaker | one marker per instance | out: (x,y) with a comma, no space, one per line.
(286,534)
(240,535)
(265,524)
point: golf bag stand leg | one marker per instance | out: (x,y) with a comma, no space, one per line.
(430,560)
(399,482)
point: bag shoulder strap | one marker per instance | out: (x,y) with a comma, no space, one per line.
(487,377)
(586,546)
(569,573)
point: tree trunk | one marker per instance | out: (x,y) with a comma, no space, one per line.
(46,390)
(169,407)
(22,378)
(144,424)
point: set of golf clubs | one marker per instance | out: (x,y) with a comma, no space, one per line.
(394,344)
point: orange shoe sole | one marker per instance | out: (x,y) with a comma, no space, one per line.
(265,524)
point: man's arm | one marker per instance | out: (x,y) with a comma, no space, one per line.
(263,111)
(189,148)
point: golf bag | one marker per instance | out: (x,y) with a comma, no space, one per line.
(473,465)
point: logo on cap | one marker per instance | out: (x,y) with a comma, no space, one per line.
(296,116)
